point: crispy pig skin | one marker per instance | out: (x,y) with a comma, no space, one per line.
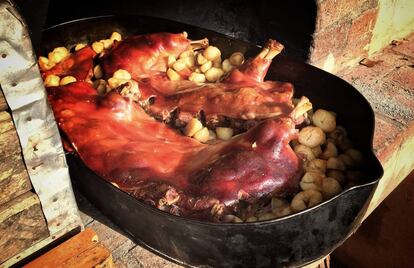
(120,142)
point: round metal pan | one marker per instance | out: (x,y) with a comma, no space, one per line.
(291,241)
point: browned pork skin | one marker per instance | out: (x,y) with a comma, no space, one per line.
(120,142)
(241,95)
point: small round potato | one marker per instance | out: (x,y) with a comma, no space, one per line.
(325,120)
(335,163)
(214,74)
(67,80)
(206,66)
(226,65)
(179,65)
(98,47)
(337,175)
(356,156)
(346,159)
(197,77)
(100,86)
(201,59)
(317,165)
(186,54)
(79,46)
(115,82)
(58,54)
(330,187)
(317,151)
(97,72)
(305,199)
(45,64)
(211,135)
(193,127)
(122,74)
(311,180)
(305,151)
(236,59)
(170,60)
(224,133)
(189,61)
(52,80)
(217,63)
(202,135)
(115,36)
(173,75)
(211,53)
(311,136)
(330,151)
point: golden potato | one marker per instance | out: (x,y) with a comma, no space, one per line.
(337,175)
(325,120)
(305,199)
(226,65)
(211,53)
(202,135)
(305,151)
(97,72)
(236,59)
(224,133)
(311,180)
(214,74)
(197,77)
(115,36)
(335,163)
(356,156)
(317,151)
(206,66)
(122,74)
(201,59)
(329,151)
(330,187)
(317,165)
(173,75)
(193,127)
(67,80)
(311,136)
(52,80)
(170,60)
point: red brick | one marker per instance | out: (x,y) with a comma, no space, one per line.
(331,11)
(403,76)
(331,41)
(406,47)
(362,25)
(386,137)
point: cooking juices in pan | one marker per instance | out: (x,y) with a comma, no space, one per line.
(165,119)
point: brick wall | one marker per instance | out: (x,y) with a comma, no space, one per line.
(343,32)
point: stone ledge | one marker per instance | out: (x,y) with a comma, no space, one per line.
(389,87)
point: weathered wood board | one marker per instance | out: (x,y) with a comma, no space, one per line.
(3,103)
(82,250)
(22,224)
(14,179)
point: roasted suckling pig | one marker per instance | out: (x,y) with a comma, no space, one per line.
(144,119)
